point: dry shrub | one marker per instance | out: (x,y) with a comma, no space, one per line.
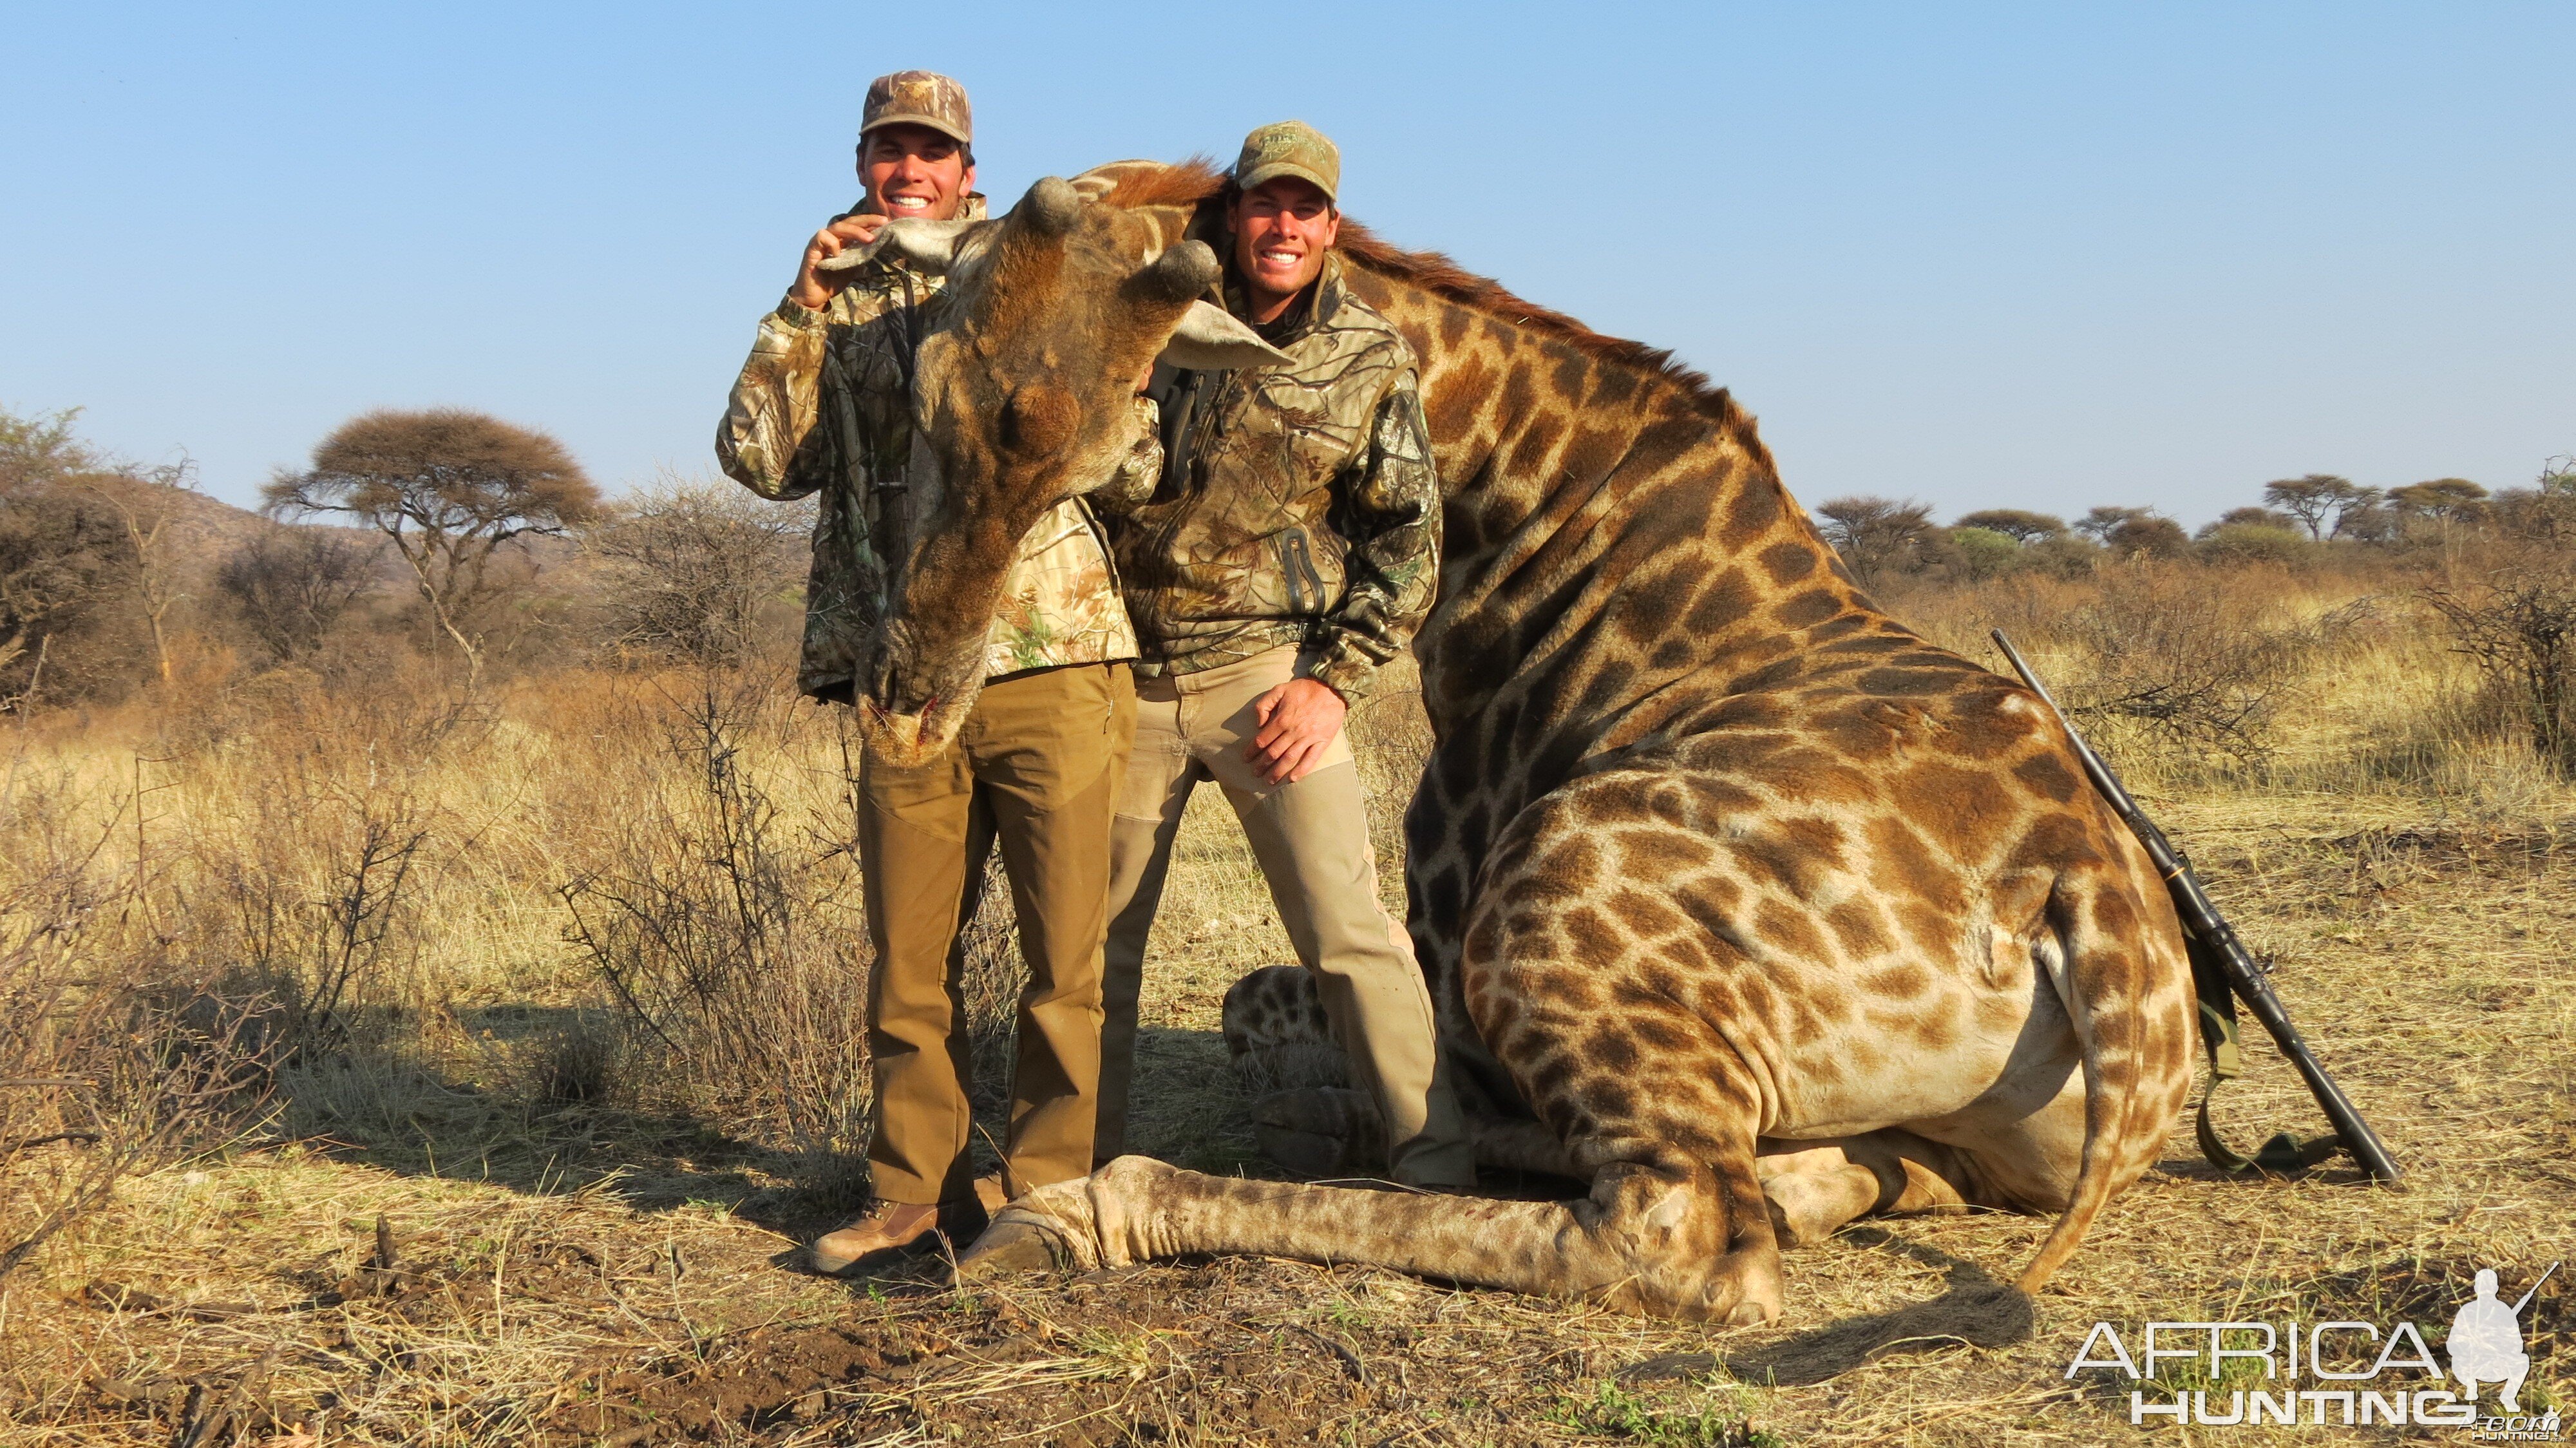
(291,587)
(2194,665)
(728,930)
(698,571)
(289,832)
(308,903)
(730,945)
(2517,623)
(112,1063)
(991,976)
(2204,661)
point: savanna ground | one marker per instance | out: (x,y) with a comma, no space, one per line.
(549,993)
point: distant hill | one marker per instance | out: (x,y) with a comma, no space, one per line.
(213,528)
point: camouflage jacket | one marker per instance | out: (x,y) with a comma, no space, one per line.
(825,405)
(1297,503)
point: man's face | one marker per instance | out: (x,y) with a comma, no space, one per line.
(1282,228)
(914,171)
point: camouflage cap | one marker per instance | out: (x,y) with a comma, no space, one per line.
(1290,148)
(919,98)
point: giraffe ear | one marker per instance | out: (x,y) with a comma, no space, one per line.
(1210,339)
(929,247)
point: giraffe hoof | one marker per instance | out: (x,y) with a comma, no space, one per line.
(1017,1242)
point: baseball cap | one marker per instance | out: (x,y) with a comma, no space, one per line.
(919,98)
(1289,148)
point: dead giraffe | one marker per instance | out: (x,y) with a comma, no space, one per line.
(1755,909)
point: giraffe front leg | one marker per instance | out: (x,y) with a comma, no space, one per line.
(1667,1240)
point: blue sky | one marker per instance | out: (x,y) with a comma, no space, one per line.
(2034,256)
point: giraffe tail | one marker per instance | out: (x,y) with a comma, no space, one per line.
(2111,956)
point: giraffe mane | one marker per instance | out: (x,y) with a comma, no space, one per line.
(1197,182)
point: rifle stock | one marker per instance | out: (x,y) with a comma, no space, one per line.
(2216,950)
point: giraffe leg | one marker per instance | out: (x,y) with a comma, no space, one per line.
(1674,1224)
(1815,1189)
(1672,1239)
(1812,1190)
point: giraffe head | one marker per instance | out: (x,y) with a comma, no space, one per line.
(1023,396)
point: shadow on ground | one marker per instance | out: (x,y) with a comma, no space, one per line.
(479,1117)
(1977,1311)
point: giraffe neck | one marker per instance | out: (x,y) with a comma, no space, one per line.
(1612,529)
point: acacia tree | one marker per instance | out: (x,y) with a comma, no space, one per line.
(2147,532)
(2019,524)
(2452,500)
(2099,523)
(2253,518)
(1877,536)
(2320,501)
(449,488)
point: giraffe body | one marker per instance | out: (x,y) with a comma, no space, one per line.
(1740,901)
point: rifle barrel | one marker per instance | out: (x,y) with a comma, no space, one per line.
(2535,1289)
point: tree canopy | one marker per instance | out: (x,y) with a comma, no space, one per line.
(2320,501)
(1877,535)
(2018,524)
(449,487)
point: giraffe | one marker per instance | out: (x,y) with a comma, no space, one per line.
(1739,901)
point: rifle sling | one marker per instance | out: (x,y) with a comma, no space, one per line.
(2284,1153)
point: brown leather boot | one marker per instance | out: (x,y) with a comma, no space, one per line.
(892,1231)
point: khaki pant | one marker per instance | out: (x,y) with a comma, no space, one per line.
(1036,770)
(1311,837)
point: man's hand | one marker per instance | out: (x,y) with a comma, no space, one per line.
(816,290)
(1298,719)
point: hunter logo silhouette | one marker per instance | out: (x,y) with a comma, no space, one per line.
(2486,1340)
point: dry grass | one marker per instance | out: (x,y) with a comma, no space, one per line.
(579,1265)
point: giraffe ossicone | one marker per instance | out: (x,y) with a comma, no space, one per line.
(1739,901)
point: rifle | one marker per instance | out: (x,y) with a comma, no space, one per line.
(2223,971)
(2535,1289)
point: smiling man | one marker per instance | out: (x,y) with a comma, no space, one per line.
(1290,547)
(824,406)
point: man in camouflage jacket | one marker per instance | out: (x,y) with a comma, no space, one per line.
(1289,548)
(824,406)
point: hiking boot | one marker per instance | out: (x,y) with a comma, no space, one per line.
(893,1231)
